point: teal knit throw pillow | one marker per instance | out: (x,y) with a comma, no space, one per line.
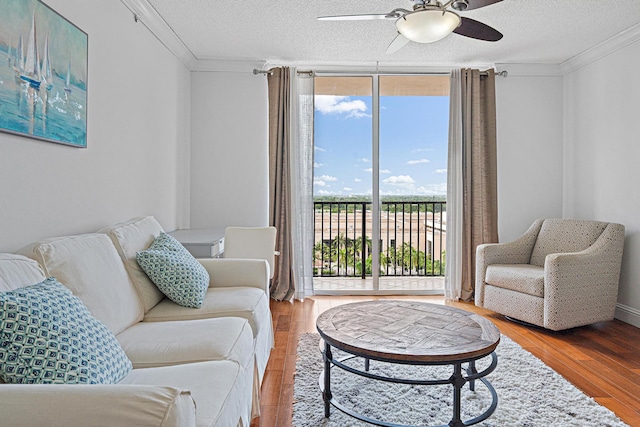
(48,336)
(175,271)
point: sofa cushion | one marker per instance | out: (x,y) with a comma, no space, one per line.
(517,277)
(18,271)
(151,344)
(221,400)
(248,303)
(565,235)
(175,271)
(90,266)
(49,337)
(130,237)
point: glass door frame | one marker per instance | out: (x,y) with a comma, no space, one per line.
(375,185)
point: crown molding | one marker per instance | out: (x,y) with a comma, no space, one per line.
(227,65)
(529,70)
(605,48)
(149,17)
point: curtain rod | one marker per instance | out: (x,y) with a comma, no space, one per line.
(502,73)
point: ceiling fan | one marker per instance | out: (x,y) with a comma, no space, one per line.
(431,21)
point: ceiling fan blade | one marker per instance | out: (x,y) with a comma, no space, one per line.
(477,30)
(391,15)
(477,4)
(397,44)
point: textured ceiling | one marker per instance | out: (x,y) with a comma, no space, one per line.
(286,31)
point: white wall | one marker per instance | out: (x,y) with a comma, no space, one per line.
(602,155)
(229,150)
(138,100)
(529,144)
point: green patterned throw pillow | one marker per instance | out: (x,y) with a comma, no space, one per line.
(48,336)
(175,271)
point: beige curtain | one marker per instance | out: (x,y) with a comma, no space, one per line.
(282,286)
(479,170)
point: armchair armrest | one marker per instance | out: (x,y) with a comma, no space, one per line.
(230,272)
(576,282)
(515,252)
(68,405)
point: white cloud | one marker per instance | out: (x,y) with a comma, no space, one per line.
(318,165)
(440,171)
(347,189)
(316,148)
(331,104)
(325,193)
(319,183)
(357,180)
(417,162)
(433,189)
(365,160)
(385,171)
(399,180)
(409,189)
(328,178)
(421,150)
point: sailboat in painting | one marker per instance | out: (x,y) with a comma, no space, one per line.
(18,61)
(31,72)
(67,81)
(47,77)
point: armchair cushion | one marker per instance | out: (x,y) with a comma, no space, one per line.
(517,277)
(565,235)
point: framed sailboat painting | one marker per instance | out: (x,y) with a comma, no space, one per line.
(43,74)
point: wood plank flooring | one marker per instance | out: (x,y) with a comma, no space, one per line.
(603,360)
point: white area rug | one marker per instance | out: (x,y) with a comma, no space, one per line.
(530,394)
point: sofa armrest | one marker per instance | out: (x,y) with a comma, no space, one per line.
(582,287)
(68,405)
(234,272)
(515,252)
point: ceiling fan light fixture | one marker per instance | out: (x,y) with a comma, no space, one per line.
(427,25)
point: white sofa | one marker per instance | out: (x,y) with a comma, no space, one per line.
(191,367)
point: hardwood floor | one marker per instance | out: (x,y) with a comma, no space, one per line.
(603,360)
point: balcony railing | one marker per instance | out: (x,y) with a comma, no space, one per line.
(412,238)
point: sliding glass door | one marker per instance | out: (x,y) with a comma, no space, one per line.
(380,183)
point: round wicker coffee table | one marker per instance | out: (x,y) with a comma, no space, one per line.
(413,333)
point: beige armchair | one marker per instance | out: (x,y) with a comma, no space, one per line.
(560,274)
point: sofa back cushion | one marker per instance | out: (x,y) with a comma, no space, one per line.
(91,268)
(565,235)
(17,271)
(131,237)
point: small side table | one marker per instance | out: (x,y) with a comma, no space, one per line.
(202,242)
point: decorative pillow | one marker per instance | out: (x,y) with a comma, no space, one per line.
(47,336)
(175,271)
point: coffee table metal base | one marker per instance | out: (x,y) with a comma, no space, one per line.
(457,380)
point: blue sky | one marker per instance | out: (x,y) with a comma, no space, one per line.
(413,145)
